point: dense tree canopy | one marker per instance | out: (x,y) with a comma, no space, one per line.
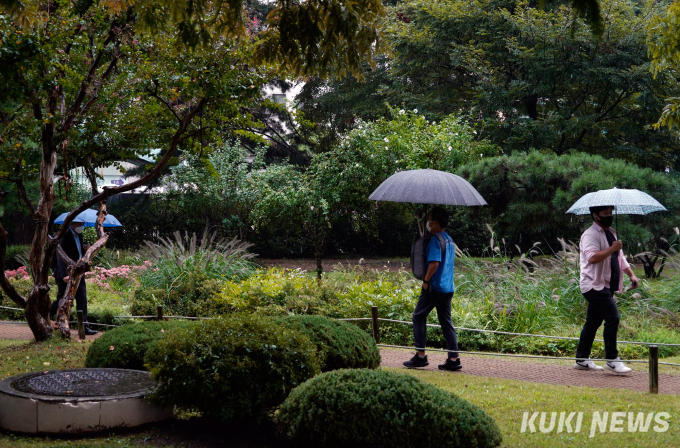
(525,75)
(529,193)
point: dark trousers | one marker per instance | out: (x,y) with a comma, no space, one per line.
(601,307)
(81,298)
(442,301)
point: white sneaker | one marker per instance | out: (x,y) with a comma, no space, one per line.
(587,365)
(617,366)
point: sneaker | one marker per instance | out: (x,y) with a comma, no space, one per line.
(417,361)
(587,365)
(617,366)
(450,364)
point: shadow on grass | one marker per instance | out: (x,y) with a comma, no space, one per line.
(192,433)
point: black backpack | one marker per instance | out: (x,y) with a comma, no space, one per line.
(419,254)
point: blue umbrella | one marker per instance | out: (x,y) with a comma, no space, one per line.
(626,202)
(89,217)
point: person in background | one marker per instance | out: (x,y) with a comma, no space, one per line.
(74,246)
(602,262)
(437,292)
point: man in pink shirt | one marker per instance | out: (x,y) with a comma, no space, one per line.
(602,262)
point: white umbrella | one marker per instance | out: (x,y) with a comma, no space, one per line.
(625,202)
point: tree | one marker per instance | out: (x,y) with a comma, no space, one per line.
(664,47)
(529,193)
(528,77)
(62,59)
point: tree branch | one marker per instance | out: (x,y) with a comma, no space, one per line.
(112,65)
(74,110)
(53,240)
(154,94)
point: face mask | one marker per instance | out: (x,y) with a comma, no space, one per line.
(427,226)
(79,229)
(606,221)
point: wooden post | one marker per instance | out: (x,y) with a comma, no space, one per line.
(159,313)
(653,369)
(81,325)
(374,315)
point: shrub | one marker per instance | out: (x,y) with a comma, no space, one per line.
(242,366)
(341,345)
(184,299)
(376,408)
(175,260)
(124,347)
(11,260)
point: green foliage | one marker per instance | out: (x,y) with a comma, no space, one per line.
(239,367)
(174,260)
(528,194)
(186,297)
(11,261)
(125,347)
(341,345)
(525,75)
(366,408)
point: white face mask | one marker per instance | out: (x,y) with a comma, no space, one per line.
(428,227)
(79,229)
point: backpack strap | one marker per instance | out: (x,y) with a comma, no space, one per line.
(442,245)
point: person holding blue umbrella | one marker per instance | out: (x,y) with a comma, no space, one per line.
(74,246)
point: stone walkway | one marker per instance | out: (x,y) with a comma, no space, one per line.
(563,374)
(20,331)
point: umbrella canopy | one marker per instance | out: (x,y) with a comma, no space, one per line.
(626,202)
(428,187)
(89,217)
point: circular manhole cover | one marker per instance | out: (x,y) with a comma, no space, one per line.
(82,383)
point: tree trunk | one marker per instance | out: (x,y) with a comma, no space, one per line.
(319,257)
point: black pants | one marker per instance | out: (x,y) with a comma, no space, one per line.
(601,307)
(442,301)
(81,298)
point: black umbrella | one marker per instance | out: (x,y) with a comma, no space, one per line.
(428,187)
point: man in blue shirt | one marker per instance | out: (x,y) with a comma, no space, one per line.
(437,292)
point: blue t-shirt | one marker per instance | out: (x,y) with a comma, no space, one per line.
(442,280)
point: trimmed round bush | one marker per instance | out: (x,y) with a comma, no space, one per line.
(341,345)
(125,347)
(237,367)
(377,408)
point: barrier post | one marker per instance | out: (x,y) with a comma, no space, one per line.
(159,312)
(653,369)
(374,316)
(81,325)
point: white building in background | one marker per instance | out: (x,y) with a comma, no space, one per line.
(114,175)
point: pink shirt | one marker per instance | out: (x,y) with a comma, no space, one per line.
(596,276)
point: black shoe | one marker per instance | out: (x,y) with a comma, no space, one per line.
(90,332)
(451,365)
(417,361)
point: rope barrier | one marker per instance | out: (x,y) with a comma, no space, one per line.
(530,334)
(511,355)
(10,308)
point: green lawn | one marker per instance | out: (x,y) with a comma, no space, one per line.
(504,400)
(507,400)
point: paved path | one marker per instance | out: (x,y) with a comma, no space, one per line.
(20,331)
(564,374)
